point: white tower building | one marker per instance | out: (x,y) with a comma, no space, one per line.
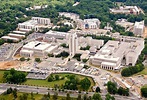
(73,44)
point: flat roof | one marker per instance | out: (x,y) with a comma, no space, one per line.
(19,35)
(23,29)
(27,51)
(50,48)
(42,46)
(106,57)
(109,63)
(19,32)
(29,22)
(30,45)
(11,38)
(56,33)
(40,18)
(37,45)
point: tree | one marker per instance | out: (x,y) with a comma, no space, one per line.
(45,97)
(79,97)
(109,97)
(9,90)
(38,60)
(85,97)
(97,89)
(96,96)
(24,96)
(55,96)
(85,83)
(22,59)
(32,96)
(64,45)
(57,77)
(71,83)
(48,95)
(14,76)
(123,91)
(51,78)
(68,96)
(84,60)
(111,87)
(50,55)
(144,91)
(15,93)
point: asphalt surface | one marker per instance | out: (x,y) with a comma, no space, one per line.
(45,90)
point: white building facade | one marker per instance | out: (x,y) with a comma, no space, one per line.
(138,28)
(44,21)
(73,44)
(92,23)
(110,56)
(36,48)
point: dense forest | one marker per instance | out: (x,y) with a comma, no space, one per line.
(12,12)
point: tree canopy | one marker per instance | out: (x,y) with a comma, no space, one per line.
(14,76)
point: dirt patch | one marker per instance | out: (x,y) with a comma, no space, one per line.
(9,64)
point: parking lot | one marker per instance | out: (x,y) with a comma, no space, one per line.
(5,51)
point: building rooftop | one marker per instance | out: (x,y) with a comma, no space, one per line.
(19,35)
(42,46)
(11,38)
(19,32)
(57,33)
(27,51)
(51,48)
(29,22)
(36,45)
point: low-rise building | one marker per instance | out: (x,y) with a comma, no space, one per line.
(92,23)
(19,36)
(110,56)
(55,34)
(69,15)
(124,23)
(36,48)
(126,10)
(20,32)
(6,38)
(34,24)
(91,42)
(44,21)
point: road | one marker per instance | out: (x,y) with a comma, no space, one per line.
(45,90)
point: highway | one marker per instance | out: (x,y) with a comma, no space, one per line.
(45,90)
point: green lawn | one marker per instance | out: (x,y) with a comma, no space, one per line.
(45,83)
(36,96)
(144,72)
(145,85)
(1,76)
(59,82)
(1,30)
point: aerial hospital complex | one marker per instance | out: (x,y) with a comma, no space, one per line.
(111,55)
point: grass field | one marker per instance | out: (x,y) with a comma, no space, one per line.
(1,76)
(59,82)
(45,83)
(36,96)
(144,72)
